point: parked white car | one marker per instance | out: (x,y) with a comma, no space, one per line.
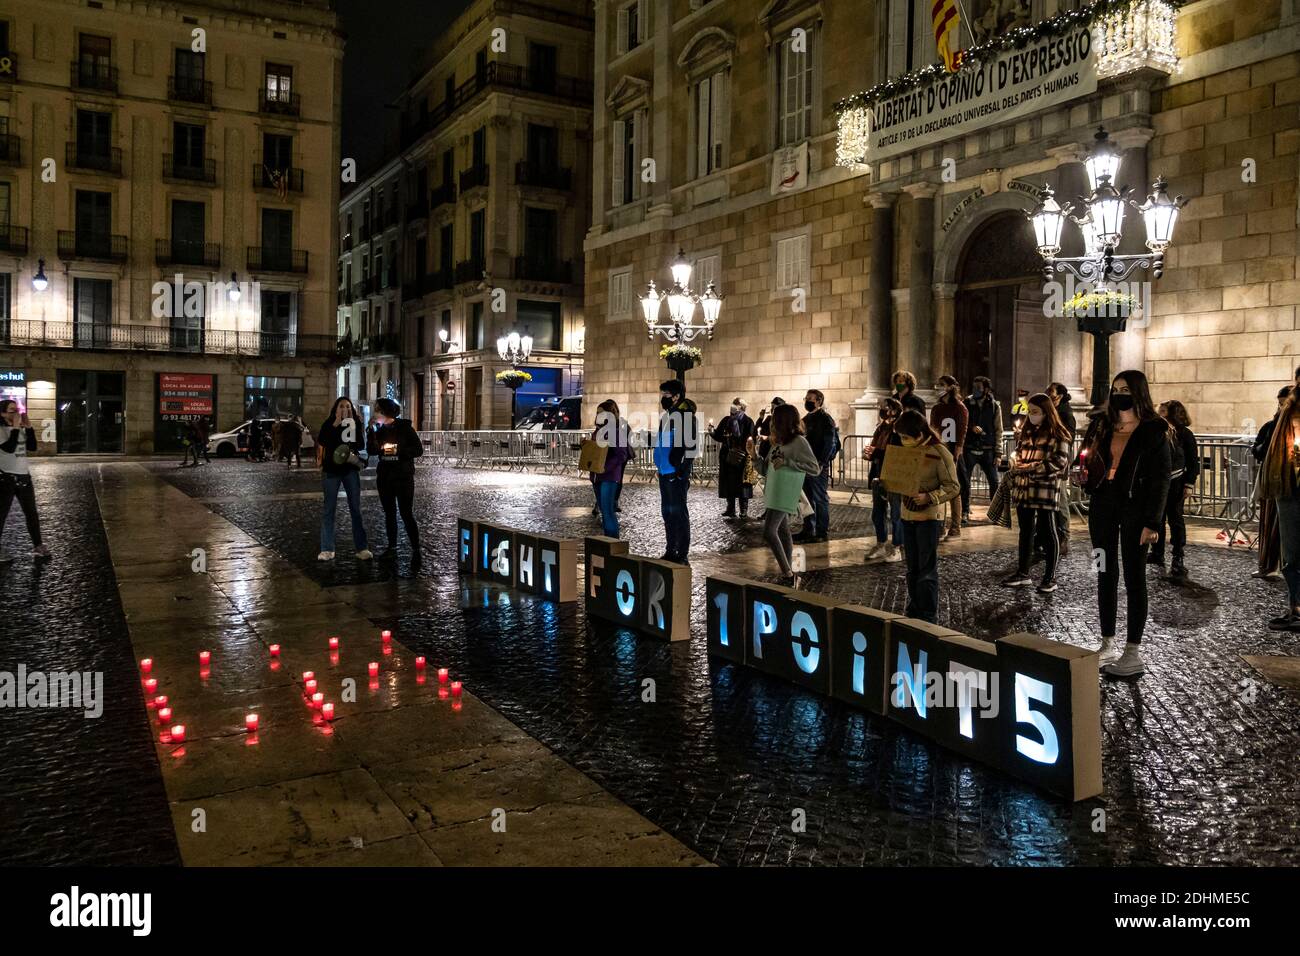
(235,442)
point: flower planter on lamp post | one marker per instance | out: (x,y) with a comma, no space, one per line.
(513,379)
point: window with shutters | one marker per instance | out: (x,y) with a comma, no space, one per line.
(634,24)
(711,121)
(794,88)
(792,262)
(628,142)
(707,268)
(620,293)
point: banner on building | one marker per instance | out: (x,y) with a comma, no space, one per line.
(183,398)
(1013,84)
(790,169)
(13,385)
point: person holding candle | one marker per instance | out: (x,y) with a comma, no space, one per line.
(733,435)
(1270,544)
(1041,460)
(393,441)
(936,484)
(789,461)
(950,418)
(341,441)
(886,509)
(17,440)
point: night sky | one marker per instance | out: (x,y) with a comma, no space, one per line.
(383,37)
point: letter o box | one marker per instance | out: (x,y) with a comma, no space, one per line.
(807,624)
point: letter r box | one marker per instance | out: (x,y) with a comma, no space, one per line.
(665,606)
(725,617)
(858,656)
(1051,705)
(599,587)
(466,547)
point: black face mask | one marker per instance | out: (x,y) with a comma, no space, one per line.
(666,403)
(1121,402)
(810,406)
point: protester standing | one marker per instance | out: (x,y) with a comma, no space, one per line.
(341,439)
(905,391)
(1184,468)
(1125,461)
(201,432)
(1270,545)
(886,508)
(787,466)
(676,445)
(1041,461)
(983,438)
(733,436)
(823,437)
(923,514)
(1280,482)
(1060,396)
(17,441)
(394,443)
(290,442)
(611,432)
(950,418)
(764,427)
(255,441)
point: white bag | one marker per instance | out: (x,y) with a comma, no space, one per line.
(805,506)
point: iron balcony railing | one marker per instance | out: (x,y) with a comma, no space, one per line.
(11,150)
(81,157)
(13,239)
(189,89)
(543,176)
(471,270)
(187,252)
(274,259)
(287,179)
(442,196)
(92,74)
(279,104)
(179,167)
(387,343)
(474,178)
(89,245)
(540,269)
(24,333)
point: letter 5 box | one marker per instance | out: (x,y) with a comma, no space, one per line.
(766,649)
(725,616)
(599,586)
(466,547)
(1051,707)
(557,568)
(526,563)
(916,665)
(971,722)
(665,599)
(858,656)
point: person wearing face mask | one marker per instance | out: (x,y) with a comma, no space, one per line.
(1185,467)
(1041,460)
(393,442)
(676,445)
(17,440)
(1125,463)
(823,438)
(791,456)
(1279,482)
(886,509)
(1060,396)
(950,418)
(1270,544)
(732,435)
(983,439)
(905,391)
(923,514)
(611,432)
(763,428)
(340,441)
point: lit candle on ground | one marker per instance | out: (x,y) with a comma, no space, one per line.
(327,710)
(164,714)
(250,723)
(385,636)
(275,650)
(373,668)
(160,700)
(419,663)
(205,658)
(317,700)
(334,643)
(310,687)
(308,675)
(150,685)
(178,733)
(442,675)
(146,665)
(455,688)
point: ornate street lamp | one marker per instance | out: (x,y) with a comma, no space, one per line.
(39,281)
(682,326)
(1103,311)
(514,348)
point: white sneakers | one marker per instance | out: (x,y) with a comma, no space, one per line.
(1109,650)
(893,553)
(1129,664)
(325,556)
(364,554)
(883,551)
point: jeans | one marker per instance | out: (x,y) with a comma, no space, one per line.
(963,481)
(776,529)
(984,461)
(921,548)
(20,487)
(677,520)
(887,507)
(1116,530)
(1288,523)
(1177,525)
(1044,522)
(819,522)
(607,498)
(351,483)
(396,483)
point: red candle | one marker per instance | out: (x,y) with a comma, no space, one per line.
(275,650)
(164,714)
(419,663)
(250,723)
(205,658)
(373,668)
(455,688)
(442,675)
(146,665)
(160,700)
(178,733)
(310,687)
(308,675)
(317,701)
(150,685)
(385,636)
(334,643)
(327,710)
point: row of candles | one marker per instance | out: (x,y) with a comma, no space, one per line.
(315,698)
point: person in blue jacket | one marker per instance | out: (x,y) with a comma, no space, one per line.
(676,446)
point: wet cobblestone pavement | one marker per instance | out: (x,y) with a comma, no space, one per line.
(1199,755)
(74,790)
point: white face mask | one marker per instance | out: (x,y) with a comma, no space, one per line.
(735,409)
(1035,420)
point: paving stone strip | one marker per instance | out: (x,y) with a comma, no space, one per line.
(405,775)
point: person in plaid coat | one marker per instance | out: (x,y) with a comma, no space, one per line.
(1039,466)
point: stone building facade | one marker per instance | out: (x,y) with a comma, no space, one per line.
(921,258)
(194,144)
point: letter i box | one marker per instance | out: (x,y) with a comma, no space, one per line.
(725,616)
(556,564)
(665,605)
(466,547)
(1051,703)
(598,590)
(916,667)
(858,656)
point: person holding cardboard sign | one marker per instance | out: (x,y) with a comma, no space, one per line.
(612,439)
(923,472)
(790,459)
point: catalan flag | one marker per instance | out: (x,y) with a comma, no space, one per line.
(946,21)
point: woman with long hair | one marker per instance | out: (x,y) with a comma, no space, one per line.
(1280,483)
(923,512)
(17,440)
(1185,467)
(1041,460)
(886,509)
(1125,463)
(1270,544)
(341,440)
(611,432)
(789,459)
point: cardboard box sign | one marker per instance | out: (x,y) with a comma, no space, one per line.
(765,647)
(599,590)
(496,559)
(725,617)
(1051,701)
(466,547)
(547,567)
(653,597)
(916,669)
(858,656)
(901,470)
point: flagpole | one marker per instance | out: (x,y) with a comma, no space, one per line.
(961,9)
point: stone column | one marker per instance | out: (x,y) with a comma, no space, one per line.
(1067,340)
(1129,349)
(921,280)
(880,279)
(943,356)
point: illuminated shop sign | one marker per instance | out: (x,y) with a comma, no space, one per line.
(534,564)
(1025,704)
(647,595)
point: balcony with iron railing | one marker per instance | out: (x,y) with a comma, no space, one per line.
(543,176)
(97,336)
(386,343)
(92,245)
(444,195)
(287,179)
(186,170)
(279,104)
(13,239)
(470,270)
(276,259)
(541,268)
(187,252)
(476,177)
(85,159)
(189,89)
(90,74)
(11,150)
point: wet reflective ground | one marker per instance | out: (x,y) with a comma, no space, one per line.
(1199,755)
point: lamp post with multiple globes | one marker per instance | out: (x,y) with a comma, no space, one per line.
(682,326)
(515,349)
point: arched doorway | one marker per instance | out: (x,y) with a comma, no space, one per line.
(999,327)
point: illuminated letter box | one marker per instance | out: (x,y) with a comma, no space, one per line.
(623,584)
(599,588)
(497,561)
(916,667)
(1051,704)
(972,722)
(766,649)
(665,599)
(725,616)
(858,656)
(806,625)
(466,547)
(556,568)
(527,575)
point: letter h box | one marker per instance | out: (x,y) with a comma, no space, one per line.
(858,656)
(725,617)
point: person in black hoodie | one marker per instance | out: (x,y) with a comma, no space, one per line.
(675,449)
(1185,466)
(1060,396)
(1270,540)
(392,441)
(340,442)
(1125,462)
(820,431)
